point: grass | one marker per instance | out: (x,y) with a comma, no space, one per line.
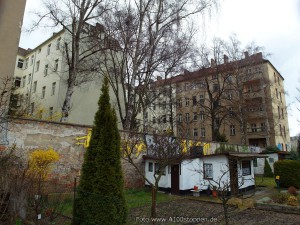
(268,182)
(141,197)
(134,197)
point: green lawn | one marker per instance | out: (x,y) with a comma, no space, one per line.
(134,197)
(265,181)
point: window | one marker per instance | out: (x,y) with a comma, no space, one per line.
(50,112)
(194,101)
(230,111)
(179,102)
(43,92)
(229,96)
(255,162)
(187,102)
(271,160)
(46,70)
(284,131)
(282,114)
(229,78)
(159,170)
(29,78)
(179,118)
(201,99)
(253,127)
(276,93)
(232,130)
(17,82)
(32,107)
(31,60)
(20,100)
(58,43)
(187,117)
(207,170)
(195,133)
(164,119)
(20,63)
(154,119)
(280,129)
(39,50)
(53,88)
(164,105)
(186,86)
(37,66)
(56,65)
(278,109)
(34,86)
(26,63)
(24,81)
(201,84)
(154,106)
(246,167)
(202,132)
(216,87)
(280,96)
(195,116)
(150,167)
(48,49)
(263,127)
(201,115)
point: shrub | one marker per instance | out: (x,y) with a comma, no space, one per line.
(292,200)
(280,198)
(267,169)
(293,191)
(289,172)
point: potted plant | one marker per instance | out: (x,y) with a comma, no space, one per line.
(214,191)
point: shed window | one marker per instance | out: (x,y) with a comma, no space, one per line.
(150,167)
(159,170)
(208,170)
(246,167)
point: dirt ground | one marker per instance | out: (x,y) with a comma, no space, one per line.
(186,211)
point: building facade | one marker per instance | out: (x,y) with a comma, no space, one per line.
(41,76)
(242,101)
(11,17)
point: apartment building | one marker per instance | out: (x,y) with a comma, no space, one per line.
(11,17)
(243,100)
(41,76)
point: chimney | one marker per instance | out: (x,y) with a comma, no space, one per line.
(159,78)
(246,53)
(212,63)
(226,59)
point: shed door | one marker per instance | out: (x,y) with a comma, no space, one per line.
(233,168)
(175,179)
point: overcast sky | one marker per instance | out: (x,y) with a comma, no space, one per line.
(274,24)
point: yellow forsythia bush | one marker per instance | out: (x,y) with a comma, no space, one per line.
(292,200)
(40,161)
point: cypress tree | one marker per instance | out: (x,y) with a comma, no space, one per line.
(100,196)
(267,169)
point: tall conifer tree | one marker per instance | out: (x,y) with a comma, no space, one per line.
(100,198)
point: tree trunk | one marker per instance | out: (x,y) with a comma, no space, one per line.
(225,207)
(153,206)
(67,102)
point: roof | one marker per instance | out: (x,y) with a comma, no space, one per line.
(246,155)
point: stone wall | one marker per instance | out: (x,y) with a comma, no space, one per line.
(29,134)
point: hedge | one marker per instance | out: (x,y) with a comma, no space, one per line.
(289,172)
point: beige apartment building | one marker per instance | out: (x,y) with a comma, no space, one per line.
(41,76)
(243,100)
(11,17)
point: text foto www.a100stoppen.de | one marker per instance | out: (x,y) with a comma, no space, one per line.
(176,219)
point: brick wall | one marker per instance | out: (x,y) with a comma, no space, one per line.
(30,134)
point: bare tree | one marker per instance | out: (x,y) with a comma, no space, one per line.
(163,149)
(228,184)
(156,39)
(74,17)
